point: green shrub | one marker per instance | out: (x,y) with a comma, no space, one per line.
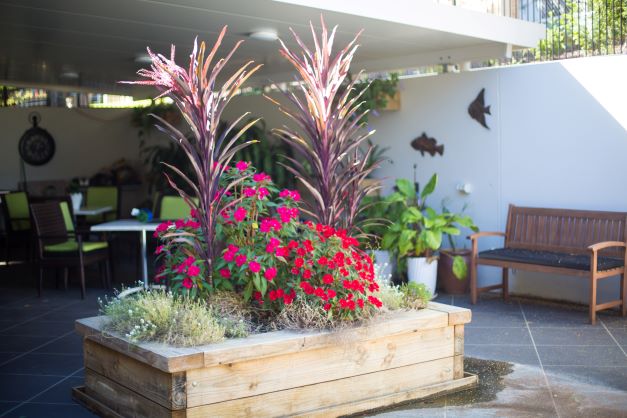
(407,296)
(171,319)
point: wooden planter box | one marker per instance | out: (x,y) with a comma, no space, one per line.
(405,356)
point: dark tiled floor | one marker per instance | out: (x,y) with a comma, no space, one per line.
(41,357)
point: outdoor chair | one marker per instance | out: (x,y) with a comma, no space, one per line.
(59,247)
(172,207)
(17,225)
(103,196)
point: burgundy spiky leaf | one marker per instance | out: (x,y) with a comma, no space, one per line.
(201,102)
(332,138)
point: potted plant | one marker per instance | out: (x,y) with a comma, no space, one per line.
(245,249)
(454,262)
(74,189)
(418,232)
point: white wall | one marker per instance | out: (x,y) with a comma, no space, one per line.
(86,141)
(557,138)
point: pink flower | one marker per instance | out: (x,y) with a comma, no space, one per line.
(269,274)
(295,195)
(193,270)
(233,248)
(254,266)
(193,213)
(241,165)
(189,261)
(187,283)
(240,260)
(159,249)
(228,256)
(263,192)
(192,224)
(240,214)
(226,273)
(259,177)
(179,223)
(249,192)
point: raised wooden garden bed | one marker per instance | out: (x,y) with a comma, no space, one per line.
(407,355)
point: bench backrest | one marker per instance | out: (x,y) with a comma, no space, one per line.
(564,230)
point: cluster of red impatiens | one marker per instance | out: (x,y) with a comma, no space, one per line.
(272,257)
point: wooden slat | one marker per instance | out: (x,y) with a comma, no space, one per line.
(340,360)
(459,340)
(173,359)
(456,314)
(330,398)
(458,367)
(164,388)
(123,400)
(98,408)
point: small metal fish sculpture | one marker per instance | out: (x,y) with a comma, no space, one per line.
(477,109)
(429,145)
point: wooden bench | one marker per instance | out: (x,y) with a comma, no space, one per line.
(575,242)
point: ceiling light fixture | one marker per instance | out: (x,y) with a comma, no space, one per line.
(143,58)
(70,74)
(269,35)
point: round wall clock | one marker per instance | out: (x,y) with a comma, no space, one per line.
(36,145)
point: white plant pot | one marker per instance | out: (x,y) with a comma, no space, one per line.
(384,263)
(77,200)
(420,270)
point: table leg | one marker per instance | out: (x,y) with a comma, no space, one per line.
(144,258)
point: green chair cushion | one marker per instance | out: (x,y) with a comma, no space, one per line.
(17,207)
(67,217)
(173,207)
(102,196)
(72,246)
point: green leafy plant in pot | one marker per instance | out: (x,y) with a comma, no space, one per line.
(454,262)
(417,234)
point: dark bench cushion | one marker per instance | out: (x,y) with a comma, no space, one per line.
(552,259)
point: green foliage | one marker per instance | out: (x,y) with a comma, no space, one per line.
(164,317)
(419,229)
(376,93)
(460,269)
(375,218)
(407,296)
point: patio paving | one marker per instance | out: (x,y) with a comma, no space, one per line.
(561,366)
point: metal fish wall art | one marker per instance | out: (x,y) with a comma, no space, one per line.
(477,109)
(429,145)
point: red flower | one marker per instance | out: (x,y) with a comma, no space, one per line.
(259,177)
(240,214)
(254,266)
(240,260)
(228,256)
(307,288)
(323,261)
(327,279)
(187,283)
(292,244)
(241,165)
(376,302)
(307,274)
(249,192)
(326,306)
(159,249)
(226,273)
(299,262)
(193,270)
(360,302)
(263,192)
(269,274)
(282,252)
(331,293)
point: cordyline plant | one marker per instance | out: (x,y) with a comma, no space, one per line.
(328,118)
(210,147)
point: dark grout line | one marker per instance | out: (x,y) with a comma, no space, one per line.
(39,316)
(38,394)
(546,379)
(36,348)
(33,375)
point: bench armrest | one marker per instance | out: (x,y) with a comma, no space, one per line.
(477,235)
(606,244)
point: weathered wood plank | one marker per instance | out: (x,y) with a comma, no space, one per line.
(345,395)
(459,340)
(342,359)
(173,359)
(98,408)
(458,367)
(124,401)
(167,389)
(456,314)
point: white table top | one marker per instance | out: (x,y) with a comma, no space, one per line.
(124,225)
(86,211)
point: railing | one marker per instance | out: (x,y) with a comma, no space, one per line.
(574,28)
